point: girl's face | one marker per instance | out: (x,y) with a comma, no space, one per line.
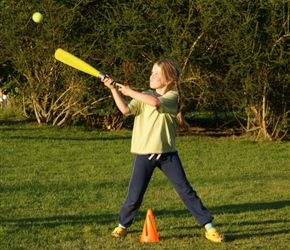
(157,79)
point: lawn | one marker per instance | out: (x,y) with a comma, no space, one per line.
(62,188)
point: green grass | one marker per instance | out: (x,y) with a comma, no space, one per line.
(62,188)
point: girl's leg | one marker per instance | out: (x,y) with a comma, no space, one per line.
(141,175)
(171,166)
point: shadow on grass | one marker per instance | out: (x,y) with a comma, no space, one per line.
(15,123)
(234,209)
(41,138)
(45,134)
(237,208)
(230,209)
(104,219)
(55,221)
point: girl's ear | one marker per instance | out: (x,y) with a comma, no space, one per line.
(169,82)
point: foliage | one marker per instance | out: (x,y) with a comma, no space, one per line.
(53,91)
(234,57)
(243,63)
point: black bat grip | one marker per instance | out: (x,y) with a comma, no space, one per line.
(103,75)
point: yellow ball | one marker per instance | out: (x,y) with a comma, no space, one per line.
(37,17)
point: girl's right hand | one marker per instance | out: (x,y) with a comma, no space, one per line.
(108,82)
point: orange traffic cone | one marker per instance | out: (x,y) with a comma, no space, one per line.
(149,233)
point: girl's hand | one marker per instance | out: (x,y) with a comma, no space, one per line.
(108,82)
(124,89)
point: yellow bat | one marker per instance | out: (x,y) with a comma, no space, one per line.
(77,63)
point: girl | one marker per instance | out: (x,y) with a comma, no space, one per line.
(157,116)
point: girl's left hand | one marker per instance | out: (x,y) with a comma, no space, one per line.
(124,89)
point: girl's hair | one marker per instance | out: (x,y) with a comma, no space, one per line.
(171,72)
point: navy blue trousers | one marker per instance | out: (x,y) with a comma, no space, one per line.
(170,165)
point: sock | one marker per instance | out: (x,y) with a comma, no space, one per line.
(209,226)
(121,226)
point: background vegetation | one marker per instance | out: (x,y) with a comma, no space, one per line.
(234,57)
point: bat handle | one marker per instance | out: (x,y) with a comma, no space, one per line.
(103,76)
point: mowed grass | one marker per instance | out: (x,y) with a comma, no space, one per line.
(62,188)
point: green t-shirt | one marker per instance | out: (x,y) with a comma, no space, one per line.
(154,129)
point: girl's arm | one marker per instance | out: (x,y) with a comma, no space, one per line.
(148,99)
(121,104)
(128,91)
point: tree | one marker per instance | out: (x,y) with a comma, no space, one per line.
(245,63)
(53,91)
(234,56)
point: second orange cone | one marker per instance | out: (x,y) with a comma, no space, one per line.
(149,233)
